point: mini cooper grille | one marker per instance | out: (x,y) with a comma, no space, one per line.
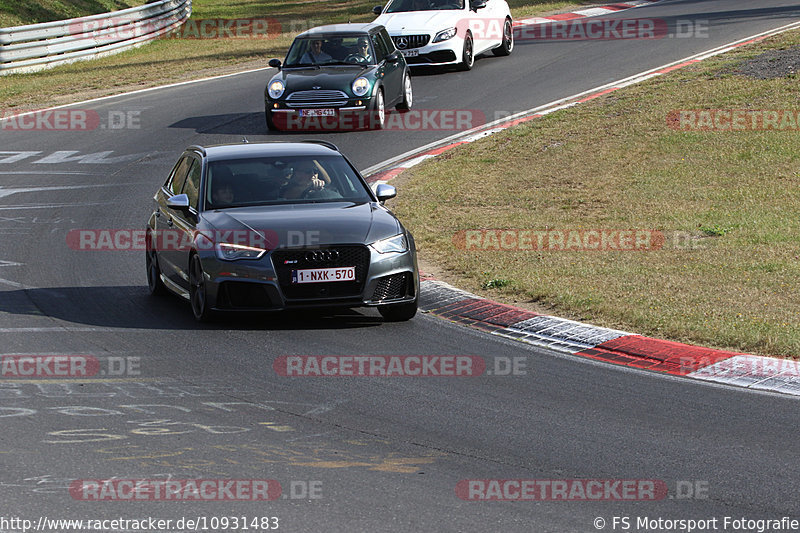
(286,260)
(404,42)
(318,98)
(391,287)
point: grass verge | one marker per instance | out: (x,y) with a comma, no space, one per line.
(174,60)
(726,202)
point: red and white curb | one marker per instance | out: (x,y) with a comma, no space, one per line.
(582,13)
(609,345)
(575,338)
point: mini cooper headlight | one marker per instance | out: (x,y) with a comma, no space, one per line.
(276,89)
(444,35)
(398,243)
(360,86)
(232,252)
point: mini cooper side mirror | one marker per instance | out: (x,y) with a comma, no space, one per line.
(275,63)
(377,10)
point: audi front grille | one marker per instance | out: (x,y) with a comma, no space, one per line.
(287,259)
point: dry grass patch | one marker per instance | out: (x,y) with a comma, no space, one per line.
(727,203)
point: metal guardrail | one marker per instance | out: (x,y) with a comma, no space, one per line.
(40,46)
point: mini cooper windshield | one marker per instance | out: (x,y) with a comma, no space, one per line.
(326,50)
(282,180)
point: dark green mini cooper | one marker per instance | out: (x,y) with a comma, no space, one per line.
(339,76)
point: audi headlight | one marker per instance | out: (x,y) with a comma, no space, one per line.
(398,243)
(444,35)
(360,86)
(276,89)
(232,252)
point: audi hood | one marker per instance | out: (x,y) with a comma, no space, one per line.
(322,223)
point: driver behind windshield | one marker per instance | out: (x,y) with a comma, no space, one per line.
(362,49)
(305,179)
(315,53)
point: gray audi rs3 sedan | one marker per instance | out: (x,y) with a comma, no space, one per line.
(275,226)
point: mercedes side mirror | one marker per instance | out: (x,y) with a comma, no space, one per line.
(475,5)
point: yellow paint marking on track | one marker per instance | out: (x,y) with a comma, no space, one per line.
(143,455)
(406,465)
(273,427)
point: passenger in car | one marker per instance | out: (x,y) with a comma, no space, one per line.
(315,53)
(222,193)
(222,190)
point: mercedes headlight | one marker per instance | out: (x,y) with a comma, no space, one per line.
(398,243)
(276,89)
(232,252)
(360,86)
(444,35)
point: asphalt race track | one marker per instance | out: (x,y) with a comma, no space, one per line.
(178,401)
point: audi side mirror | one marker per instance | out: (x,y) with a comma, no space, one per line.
(385,192)
(179,201)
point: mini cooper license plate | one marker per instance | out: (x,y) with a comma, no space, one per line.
(410,53)
(317,112)
(324,275)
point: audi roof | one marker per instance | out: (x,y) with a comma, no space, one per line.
(274,148)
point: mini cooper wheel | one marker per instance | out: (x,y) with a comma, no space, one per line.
(508,40)
(398,312)
(198,295)
(379,113)
(467,56)
(154,283)
(408,94)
